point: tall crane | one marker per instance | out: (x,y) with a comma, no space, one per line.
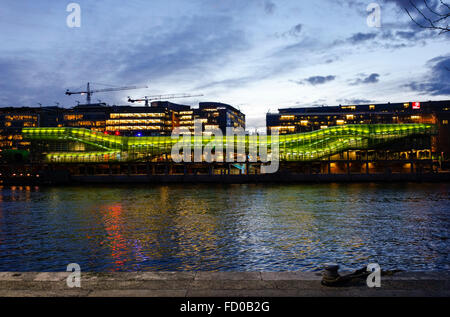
(146,99)
(88,92)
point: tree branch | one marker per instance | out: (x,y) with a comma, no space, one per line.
(441,17)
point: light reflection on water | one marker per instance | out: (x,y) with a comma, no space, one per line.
(225,227)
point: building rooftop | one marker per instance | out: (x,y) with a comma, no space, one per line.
(351,107)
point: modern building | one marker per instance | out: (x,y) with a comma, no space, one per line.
(92,117)
(220,115)
(359,144)
(157,120)
(295,120)
(13,120)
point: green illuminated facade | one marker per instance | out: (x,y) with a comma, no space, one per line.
(74,145)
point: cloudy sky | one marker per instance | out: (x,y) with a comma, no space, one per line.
(258,55)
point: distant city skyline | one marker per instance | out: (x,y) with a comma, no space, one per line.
(257,55)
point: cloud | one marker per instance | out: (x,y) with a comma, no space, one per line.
(407,35)
(393,35)
(354,101)
(361,37)
(229,83)
(199,41)
(372,78)
(423,12)
(316,80)
(269,7)
(295,31)
(366,79)
(406,4)
(24,84)
(437,82)
(223,47)
(185,49)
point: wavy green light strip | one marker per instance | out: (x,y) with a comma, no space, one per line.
(297,147)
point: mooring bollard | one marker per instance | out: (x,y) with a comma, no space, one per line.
(331,270)
(330,273)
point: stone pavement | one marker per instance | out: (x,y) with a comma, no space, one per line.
(214,284)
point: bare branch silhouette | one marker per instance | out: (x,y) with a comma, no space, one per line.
(435,21)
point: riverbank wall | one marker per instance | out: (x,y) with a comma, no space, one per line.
(215,284)
(262,178)
(64,178)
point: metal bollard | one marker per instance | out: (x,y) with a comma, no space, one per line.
(330,271)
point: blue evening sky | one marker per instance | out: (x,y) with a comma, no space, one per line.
(258,55)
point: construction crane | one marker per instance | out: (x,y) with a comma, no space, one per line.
(88,92)
(146,99)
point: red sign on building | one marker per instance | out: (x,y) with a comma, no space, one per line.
(416,105)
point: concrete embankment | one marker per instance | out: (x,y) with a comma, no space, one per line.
(262,178)
(215,284)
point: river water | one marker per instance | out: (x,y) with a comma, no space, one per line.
(225,227)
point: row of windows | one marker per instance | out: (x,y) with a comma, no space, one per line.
(86,124)
(135,121)
(21,118)
(73,117)
(133,128)
(350,117)
(136,115)
(11,137)
(20,124)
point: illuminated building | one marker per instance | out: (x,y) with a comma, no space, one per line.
(92,117)
(295,120)
(73,145)
(219,115)
(158,119)
(12,120)
(143,121)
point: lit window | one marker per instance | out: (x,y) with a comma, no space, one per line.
(444,121)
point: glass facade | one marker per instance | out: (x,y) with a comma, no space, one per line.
(63,145)
(297,120)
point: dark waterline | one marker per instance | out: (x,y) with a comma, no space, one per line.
(225,227)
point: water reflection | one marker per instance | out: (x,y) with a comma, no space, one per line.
(218,227)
